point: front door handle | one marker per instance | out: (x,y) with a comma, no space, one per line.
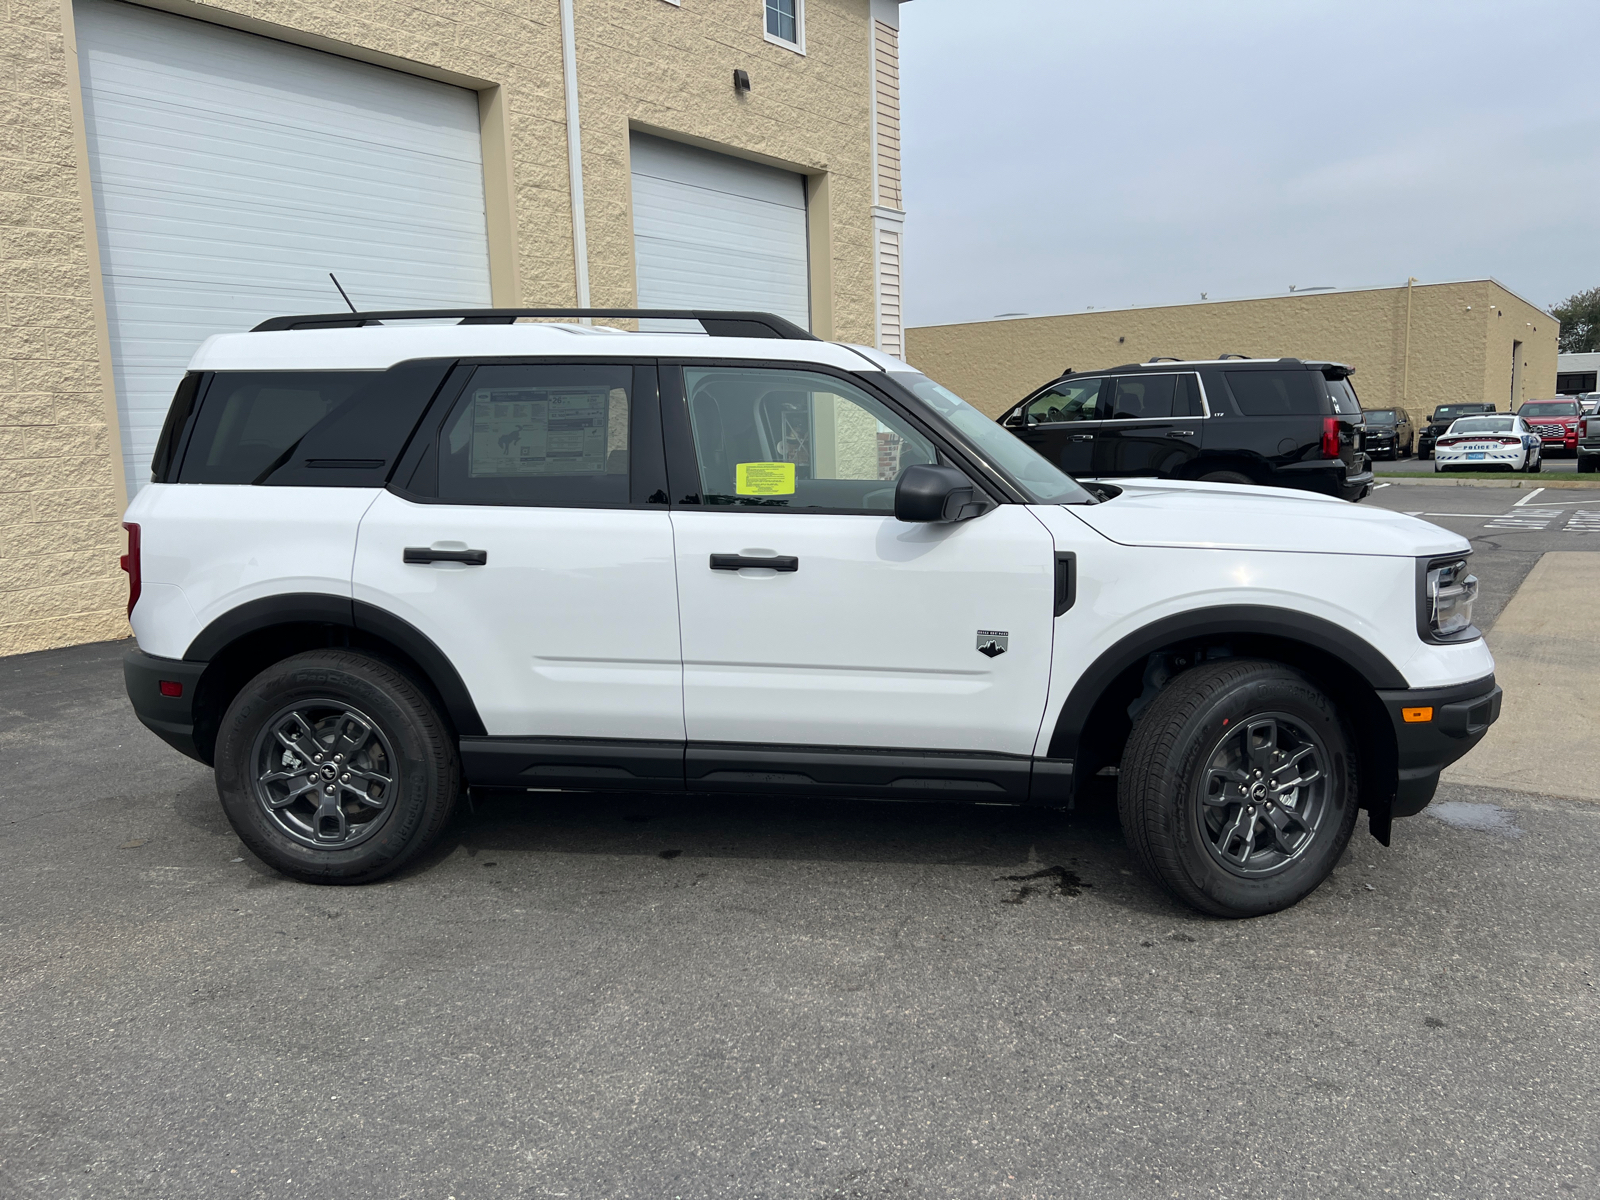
(1180,433)
(738,562)
(1083,437)
(422,554)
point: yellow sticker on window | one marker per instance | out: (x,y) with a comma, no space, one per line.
(765,479)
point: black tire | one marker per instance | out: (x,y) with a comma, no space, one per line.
(1174,819)
(1588,463)
(1226,477)
(386,797)
(1535,465)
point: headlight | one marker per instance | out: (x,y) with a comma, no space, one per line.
(1450,592)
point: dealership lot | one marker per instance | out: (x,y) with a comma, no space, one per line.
(685,997)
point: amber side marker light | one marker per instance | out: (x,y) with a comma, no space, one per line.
(1415,716)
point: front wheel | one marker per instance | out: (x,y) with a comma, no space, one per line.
(335,767)
(1588,463)
(1238,788)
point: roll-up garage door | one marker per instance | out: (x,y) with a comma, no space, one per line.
(710,231)
(233,172)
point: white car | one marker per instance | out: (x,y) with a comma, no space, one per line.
(1489,441)
(377,563)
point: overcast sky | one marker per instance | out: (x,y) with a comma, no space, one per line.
(1061,154)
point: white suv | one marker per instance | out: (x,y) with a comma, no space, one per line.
(379,562)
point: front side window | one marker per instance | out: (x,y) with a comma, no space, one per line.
(783,20)
(771,438)
(547,435)
(1069,400)
(250,420)
(1140,397)
(1038,478)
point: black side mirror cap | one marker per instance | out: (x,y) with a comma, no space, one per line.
(925,494)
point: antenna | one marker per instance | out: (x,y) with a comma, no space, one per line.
(336,284)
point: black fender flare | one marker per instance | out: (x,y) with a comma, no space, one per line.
(1233,619)
(314,608)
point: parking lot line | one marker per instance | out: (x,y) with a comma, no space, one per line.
(1528,497)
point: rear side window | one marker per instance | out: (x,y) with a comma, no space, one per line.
(545,435)
(161,463)
(249,420)
(1345,402)
(1275,393)
(1139,397)
(1186,402)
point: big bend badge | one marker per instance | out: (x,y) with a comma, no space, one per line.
(993,642)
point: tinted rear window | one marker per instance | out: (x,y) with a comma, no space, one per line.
(1275,393)
(250,420)
(1344,398)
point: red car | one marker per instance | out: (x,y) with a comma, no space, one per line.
(1556,423)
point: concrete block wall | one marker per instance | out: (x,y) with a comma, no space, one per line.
(1459,343)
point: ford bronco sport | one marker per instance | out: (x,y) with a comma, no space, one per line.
(380,561)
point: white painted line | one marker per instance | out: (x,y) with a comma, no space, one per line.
(1376,486)
(1528,497)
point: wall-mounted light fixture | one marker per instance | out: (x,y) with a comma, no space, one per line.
(741,80)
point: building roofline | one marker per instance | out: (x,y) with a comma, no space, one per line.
(1336,291)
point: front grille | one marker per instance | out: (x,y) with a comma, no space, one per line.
(1549,430)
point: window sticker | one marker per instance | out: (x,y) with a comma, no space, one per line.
(765,479)
(539,431)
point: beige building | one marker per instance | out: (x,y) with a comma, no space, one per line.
(1417,346)
(178,168)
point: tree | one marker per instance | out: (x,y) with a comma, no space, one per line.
(1580,322)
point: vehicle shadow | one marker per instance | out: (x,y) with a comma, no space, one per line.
(1085,842)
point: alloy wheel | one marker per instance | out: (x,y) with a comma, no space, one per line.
(1263,794)
(325,775)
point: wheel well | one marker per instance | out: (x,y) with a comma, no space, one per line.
(1207,464)
(1106,728)
(242,659)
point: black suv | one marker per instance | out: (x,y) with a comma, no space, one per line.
(1278,421)
(1387,433)
(1440,419)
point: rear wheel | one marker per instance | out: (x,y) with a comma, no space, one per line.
(1238,788)
(335,767)
(1226,477)
(1588,463)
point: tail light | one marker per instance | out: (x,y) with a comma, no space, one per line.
(1330,437)
(130,564)
(1510,441)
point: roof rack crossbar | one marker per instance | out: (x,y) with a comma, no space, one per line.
(714,322)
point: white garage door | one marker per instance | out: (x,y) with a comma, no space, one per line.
(232,173)
(710,231)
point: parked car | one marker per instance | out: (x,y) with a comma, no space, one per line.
(1387,433)
(1481,443)
(1589,443)
(1590,402)
(1276,421)
(377,563)
(1555,421)
(1440,419)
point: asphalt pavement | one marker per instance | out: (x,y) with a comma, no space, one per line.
(661,997)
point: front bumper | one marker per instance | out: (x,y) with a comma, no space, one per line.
(1456,719)
(170,718)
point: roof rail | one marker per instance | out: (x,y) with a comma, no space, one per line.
(715,323)
(1165,358)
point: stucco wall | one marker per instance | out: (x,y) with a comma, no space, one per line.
(641,63)
(1459,346)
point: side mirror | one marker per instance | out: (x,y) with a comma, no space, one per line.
(936,494)
(1016,420)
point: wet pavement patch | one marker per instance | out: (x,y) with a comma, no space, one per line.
(1482,818)
(1063,883)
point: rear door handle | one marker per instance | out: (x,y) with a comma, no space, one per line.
(422,554)
(738,562)
(1083,437)
(1180,433)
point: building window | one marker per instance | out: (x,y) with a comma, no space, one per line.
(786,22)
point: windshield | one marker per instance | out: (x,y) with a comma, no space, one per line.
(1449,412)
(1552,408)
(1484,425)
(1039,480)
(1380,418)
